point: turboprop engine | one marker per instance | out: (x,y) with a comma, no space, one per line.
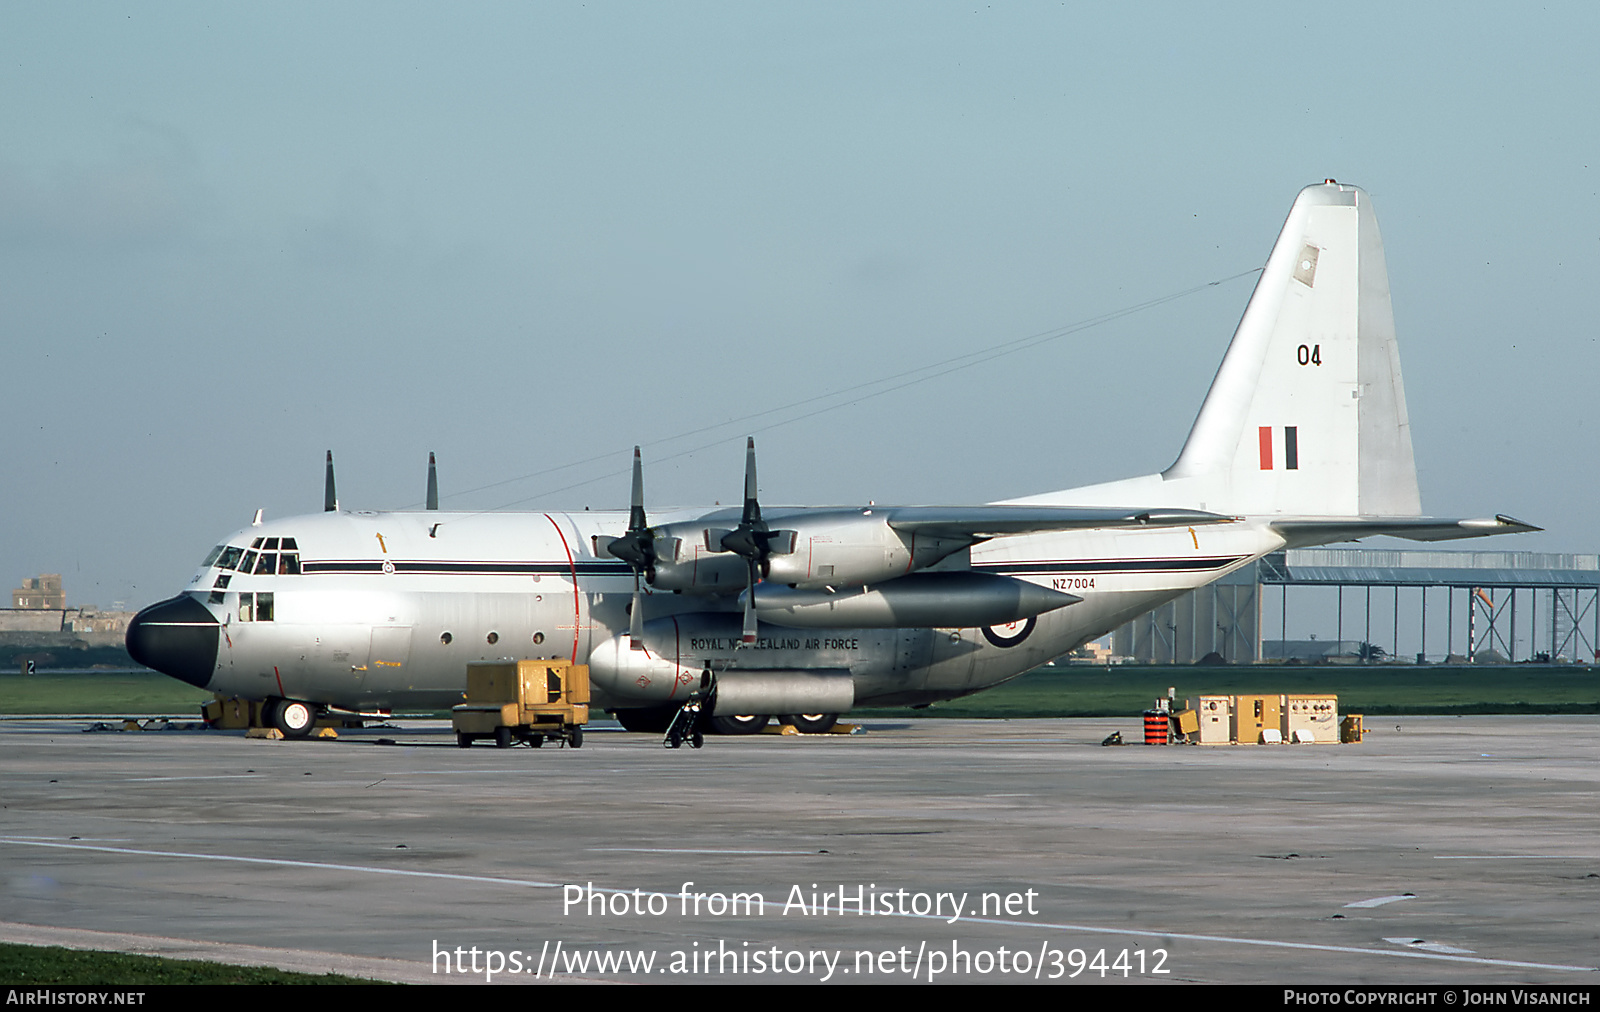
(776,674)
(845,548)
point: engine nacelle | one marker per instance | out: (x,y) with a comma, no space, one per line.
(921,600)
(848,549)
(684,563)
(781,672)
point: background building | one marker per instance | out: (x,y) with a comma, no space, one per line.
(1373,604)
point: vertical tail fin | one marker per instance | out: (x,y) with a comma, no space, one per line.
(1307,414)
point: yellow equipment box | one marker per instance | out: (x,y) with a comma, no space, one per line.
(526,701)
(1311,719)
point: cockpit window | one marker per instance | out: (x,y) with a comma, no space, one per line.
(211,557)
(268,561)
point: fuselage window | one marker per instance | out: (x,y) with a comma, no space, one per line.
(255,607)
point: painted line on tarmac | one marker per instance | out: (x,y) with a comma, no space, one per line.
(1043,925)
(699,850)
(1513,857)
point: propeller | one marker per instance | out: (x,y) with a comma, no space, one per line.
(752,540)
(330,499)
(433,483)
(638,549)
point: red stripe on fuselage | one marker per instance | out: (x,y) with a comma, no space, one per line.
(577,609)
(1265,432)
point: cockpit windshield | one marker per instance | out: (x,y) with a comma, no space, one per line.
(264,557)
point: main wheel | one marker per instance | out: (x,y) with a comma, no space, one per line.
(739,723)
(811,723)
(294,718)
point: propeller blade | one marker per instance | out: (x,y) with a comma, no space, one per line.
(749,635)
(752,508)
(433,483)
(636,521)
(636,619)
(330,499)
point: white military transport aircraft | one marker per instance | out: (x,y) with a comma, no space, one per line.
(1303,439)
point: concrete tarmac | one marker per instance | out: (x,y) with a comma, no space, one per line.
(1441,850)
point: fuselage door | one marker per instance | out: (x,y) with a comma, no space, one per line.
(387,660)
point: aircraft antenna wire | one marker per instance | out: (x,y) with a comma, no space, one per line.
(840,397)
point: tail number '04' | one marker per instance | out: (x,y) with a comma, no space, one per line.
(1309,355)
(1072,583)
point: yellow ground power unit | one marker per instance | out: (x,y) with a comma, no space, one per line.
(1311,720)
(1215,719)
(527,701)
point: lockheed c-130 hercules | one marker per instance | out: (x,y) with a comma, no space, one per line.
(1303,439)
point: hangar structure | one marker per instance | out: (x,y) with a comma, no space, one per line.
(1460,607)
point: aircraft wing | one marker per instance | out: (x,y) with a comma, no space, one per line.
(984,522)
(1312,531)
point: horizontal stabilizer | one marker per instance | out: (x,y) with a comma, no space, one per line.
(1321,532)
(984,522)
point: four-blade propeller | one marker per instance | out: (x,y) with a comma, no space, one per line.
(638,549)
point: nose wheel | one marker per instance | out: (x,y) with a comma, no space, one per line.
(292,717)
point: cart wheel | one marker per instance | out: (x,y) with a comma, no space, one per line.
(536,740)
(463,739)
(576,739)
(669,743)
(697,741)
(502,737)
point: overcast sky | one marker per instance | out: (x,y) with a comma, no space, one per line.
(527,235)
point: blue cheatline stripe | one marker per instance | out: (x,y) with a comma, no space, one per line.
(1184,565)
(463,568)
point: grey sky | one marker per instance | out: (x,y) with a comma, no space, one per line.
(232,237)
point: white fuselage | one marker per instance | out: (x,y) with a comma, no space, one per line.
(387,610)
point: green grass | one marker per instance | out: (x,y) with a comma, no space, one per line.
(1122,690)
(30,965)
(121,693)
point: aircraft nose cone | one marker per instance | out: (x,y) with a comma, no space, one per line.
(177,637)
